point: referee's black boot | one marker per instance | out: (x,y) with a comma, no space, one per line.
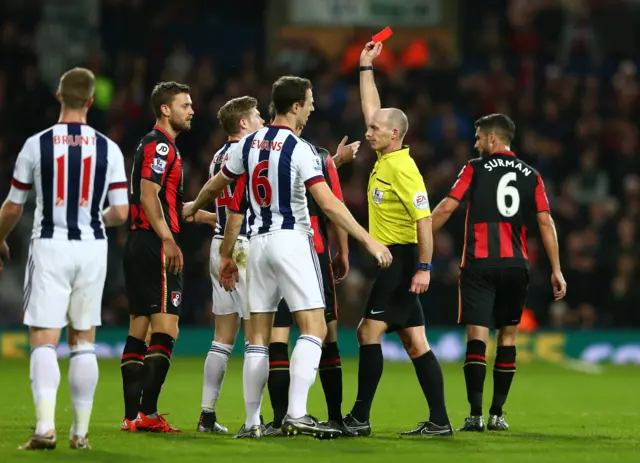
(356,428)
(427,428)
(473,424)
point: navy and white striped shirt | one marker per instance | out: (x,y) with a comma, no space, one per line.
(224,200)
(280,166)
(73,168)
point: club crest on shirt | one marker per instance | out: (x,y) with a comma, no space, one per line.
(176,297)
(421,201)
(377,196)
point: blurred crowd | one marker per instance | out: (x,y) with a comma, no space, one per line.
(567,76)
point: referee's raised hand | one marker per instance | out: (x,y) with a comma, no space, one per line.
(371,51)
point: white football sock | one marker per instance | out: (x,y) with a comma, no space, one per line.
(305,359)
(83,379)
(254,378)
(45,379)
(215,366)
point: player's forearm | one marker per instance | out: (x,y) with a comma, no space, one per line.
(342,238)
(340,215)
(10,215)
(337,160)
(210,191)
(153,209)
(550,242)
(441,214)
(205,217)
(114,216)
(425,240)
(369,97)
(231,233)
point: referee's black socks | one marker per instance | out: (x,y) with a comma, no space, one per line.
(504,369)
(369,373)
(156,367)
(279,380)
(131,367)
(330,370)
(475,370)
(431,381)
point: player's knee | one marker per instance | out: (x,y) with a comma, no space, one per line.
(477,333)
(226,329)
(507,336)
(165,323)
(44,336)
(280,335)
(75,337)
(332,332)
(311,322)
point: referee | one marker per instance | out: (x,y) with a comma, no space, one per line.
(399,217)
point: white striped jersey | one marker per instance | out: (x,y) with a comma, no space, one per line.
(73,168)
(226,197)
(280,166)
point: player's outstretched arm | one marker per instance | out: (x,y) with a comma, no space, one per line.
(370,99)
(442,213)
(550,241)
(340,215)
(202,216)
(210,191)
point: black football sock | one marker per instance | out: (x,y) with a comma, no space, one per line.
(131,367)
(279,379)
(156,367)
(504,369)
(475,370)
(370,367)
(432,383)
(331,378)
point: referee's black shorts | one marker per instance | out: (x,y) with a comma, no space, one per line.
(493,297)
(390,299)
(284,318)
(150,287)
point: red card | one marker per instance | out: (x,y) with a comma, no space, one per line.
(383,35)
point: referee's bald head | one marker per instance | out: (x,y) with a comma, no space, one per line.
(396,119)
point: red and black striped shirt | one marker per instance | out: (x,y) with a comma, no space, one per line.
(503,195)
(158,160)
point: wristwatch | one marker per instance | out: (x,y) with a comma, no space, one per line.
(424,266)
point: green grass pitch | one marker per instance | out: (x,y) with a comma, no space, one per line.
(555,414)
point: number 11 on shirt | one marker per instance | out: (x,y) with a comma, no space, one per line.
(61,181)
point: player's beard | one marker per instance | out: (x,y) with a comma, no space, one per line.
(180,126)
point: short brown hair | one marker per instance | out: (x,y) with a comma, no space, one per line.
(502,125)
(76,87)
(234,110)
(287,91)
(163,94)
